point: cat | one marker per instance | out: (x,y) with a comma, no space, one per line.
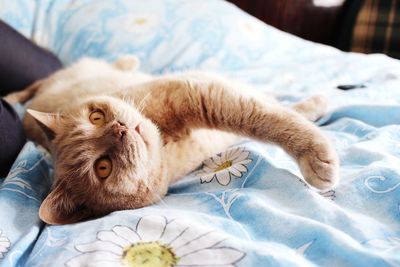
(119,137)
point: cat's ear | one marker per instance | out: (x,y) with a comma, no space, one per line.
(48,122)
(59,208)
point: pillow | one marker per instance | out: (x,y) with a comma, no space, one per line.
(167,35)
(19,14)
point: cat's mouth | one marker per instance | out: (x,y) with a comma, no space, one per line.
(140,129)
(140,132)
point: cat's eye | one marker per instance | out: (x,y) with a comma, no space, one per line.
(103,167)
(97,118)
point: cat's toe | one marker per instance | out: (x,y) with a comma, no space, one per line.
(321,170)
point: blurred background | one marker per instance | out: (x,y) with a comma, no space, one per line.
(367,26)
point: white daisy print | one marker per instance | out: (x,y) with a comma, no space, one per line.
(231,163)
(140,24)
(157,242)
(4,245)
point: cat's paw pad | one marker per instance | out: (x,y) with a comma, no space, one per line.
(320,168)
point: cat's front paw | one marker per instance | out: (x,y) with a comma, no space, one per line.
(320,166)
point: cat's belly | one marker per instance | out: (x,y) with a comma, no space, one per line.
(186,154)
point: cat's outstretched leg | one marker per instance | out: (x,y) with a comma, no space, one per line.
(195,103)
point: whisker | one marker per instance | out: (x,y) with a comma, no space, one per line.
(142,103)
(125,97)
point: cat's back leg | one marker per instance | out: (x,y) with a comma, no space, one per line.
(313,107)
(24,95)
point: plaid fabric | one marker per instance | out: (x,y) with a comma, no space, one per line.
(377,28)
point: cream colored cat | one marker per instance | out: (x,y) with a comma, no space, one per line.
(120,137)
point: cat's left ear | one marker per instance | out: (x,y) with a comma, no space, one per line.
(48,122)
(61,208)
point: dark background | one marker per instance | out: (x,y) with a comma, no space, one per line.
(367,26)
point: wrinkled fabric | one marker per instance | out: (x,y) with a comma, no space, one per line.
(249,205)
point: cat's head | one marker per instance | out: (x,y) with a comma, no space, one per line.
(107,158)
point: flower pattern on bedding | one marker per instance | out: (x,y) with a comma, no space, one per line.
(157,242)
(4,244)
(140,24)
(222,168)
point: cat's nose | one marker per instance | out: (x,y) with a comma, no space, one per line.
(119,129)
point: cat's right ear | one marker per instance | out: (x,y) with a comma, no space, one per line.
(47,121)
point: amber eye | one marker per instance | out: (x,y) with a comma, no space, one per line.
(97,118)
(103,167)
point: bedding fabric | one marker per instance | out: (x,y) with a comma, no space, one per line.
(256,212)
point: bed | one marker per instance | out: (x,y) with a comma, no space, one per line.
(256,212)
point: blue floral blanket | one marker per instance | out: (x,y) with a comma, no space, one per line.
(254,211)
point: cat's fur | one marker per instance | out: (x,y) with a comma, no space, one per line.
(180,118)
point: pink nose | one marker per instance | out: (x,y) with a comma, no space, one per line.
(119,129)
